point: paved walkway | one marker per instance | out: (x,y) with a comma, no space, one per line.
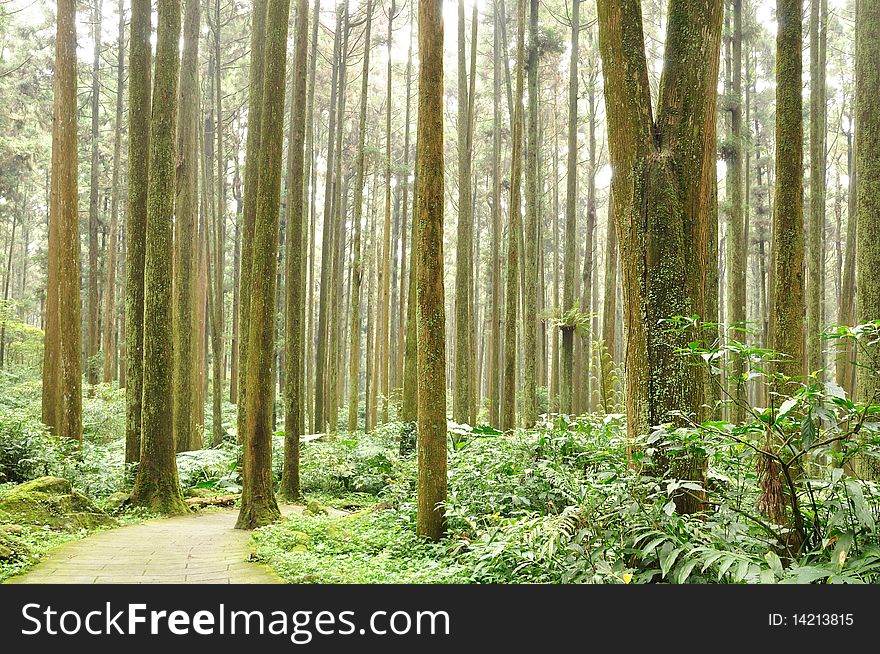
(194,549)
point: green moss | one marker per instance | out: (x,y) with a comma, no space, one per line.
(53,502)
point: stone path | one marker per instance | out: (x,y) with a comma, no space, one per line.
(193,549)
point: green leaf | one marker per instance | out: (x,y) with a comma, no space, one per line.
(686,570)
(862,511)
(774,562)
(808,431)
(786,408)
(669,508)
(668,560)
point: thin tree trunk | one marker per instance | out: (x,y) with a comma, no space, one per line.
(110,285)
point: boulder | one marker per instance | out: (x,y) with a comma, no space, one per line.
(51,501)
(11,548)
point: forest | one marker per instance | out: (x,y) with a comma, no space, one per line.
(414,291)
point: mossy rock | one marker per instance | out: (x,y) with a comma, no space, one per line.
(52,501)
(11,548)
(117,502)
(314,507)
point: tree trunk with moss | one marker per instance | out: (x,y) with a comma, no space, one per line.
(249,204)
(136,220)
(430,295)
(354,360)
(816,245)
(530,261)
(736,234)
(508,395)
(293,399)
(62,371)
(258,505)
(464,242)
(566,381)
(93,315)
(113,237)
(788,208)
(157,487)
(868,189)
(662,200)
(186,206)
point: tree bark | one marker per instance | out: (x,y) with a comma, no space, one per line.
(156,486)
(258,505)
(430,293)
(139,89)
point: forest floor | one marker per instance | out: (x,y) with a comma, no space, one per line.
(203,548)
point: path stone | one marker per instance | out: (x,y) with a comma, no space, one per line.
(193,549)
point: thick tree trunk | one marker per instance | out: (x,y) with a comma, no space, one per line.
(868,189)
(156,486)
(787,317)
(430,294)
(662,201)
(258,505)
(249,205)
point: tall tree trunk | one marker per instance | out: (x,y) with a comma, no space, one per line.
(846,354)
(357,267)
(93,318)
(464,244)
(662,201)
(139,87)
(319,421)
(430,294)
(156,486)
(186,338)
(403,320)
(386,237)
(496,331)
(530,262)
(249,205)
(736,238)
(787,317)
(110,285)
(63,330)
(293,399)
(868,189)
(508,404)
(570,259)
(609,313)
(258,505)
(816,245)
